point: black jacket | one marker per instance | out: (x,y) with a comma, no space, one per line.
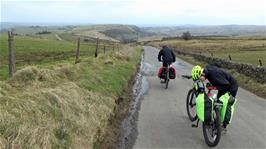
(220,79)
(166,55)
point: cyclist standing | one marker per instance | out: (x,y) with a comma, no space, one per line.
(222,80)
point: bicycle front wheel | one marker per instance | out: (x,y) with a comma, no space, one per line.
(212,129)
(191,105)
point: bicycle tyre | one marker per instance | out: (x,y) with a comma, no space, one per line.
(166,83)
(217,124)
(190,95)
(167,79)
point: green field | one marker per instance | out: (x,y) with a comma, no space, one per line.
(29,50)
(240,50)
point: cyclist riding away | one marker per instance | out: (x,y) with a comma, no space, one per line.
(223,81)
(167,56)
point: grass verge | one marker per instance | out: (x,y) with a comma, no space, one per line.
(64,105)
(112,137)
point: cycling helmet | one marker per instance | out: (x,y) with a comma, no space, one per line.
(196,72)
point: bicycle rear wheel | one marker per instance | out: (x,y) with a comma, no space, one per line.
(166,83)
(212,130)
(191,105)
(167,78)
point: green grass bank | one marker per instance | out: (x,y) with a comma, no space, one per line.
(60,104)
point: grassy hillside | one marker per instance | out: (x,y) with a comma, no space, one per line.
(36,31)
(240,50)
(59,104)
(122,33)
(127,33)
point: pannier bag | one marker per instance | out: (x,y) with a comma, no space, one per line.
(172,73)
(204,106)
(227,111)
(161,72)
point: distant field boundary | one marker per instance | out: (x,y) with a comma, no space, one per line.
(210,37)
(215,37)
(256,72)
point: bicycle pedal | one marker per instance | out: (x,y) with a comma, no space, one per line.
(194,126)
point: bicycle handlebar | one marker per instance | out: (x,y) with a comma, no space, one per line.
(209,86)
(212,88)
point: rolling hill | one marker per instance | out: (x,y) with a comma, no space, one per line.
(108,32)
(130,33)
(222,30)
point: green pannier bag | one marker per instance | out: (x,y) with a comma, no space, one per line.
(224,99)
(204,106)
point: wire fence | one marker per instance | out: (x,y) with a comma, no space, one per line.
(75,50)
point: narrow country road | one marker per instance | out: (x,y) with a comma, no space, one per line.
(163,121)
(58,37)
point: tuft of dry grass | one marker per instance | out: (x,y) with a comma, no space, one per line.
(24,77)
(121,56)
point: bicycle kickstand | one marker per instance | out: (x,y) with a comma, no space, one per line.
(195,125)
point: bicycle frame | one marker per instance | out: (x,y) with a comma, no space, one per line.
(199,85)
(167,71)
(167,77)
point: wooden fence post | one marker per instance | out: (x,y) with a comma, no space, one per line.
(104,49)
(77,52)
(97,46)
(118,47)
(11,58)
(230,58)
(113,47)
(260,62)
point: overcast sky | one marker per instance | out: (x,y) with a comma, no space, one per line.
(139,12)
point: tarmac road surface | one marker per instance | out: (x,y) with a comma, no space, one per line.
(163,121)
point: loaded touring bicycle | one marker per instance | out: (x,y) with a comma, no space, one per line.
(204,106)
